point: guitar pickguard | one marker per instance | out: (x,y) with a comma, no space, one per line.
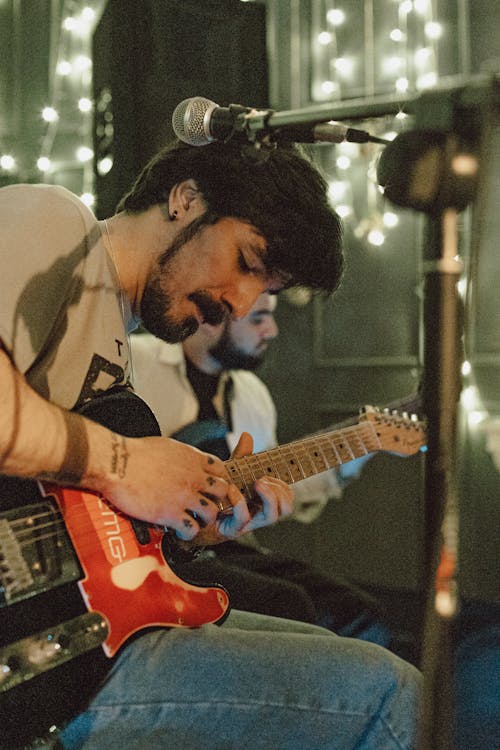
(131,584)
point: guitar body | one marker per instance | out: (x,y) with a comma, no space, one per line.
(78,580)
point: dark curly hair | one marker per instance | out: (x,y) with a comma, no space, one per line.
(277,190)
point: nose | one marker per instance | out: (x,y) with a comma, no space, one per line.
(240,299)
(269,328)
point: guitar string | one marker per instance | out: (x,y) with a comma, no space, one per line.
(59,523)
(255,459)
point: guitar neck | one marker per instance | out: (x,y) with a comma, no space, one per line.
(304,458)
(314,454)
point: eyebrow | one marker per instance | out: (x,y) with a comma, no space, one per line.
(261,312)
(282,277)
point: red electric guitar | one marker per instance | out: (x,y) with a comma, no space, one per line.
(78,578)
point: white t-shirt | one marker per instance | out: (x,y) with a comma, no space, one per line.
(61,310)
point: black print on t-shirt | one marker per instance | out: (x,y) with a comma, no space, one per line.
(101,376)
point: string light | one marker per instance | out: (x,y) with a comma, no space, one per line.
(406,61)
(397,35)
(324,37)
(104,165)
(375,237)
(344,65)
(407,66)
(82,63)
(343,210)
(49,114)
(44,164)
(84,104)
(335,16)
(7,162)
(65,154)
(433,30)
(390,219)
(88,199)
(343,162)
(64,68)
(421,6)
(84,153)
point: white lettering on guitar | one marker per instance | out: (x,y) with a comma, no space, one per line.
(115,542)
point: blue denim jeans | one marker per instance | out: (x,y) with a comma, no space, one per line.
(255,682)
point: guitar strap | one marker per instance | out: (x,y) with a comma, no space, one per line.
(205,389)
(227,397)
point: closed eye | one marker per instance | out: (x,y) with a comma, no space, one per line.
(244,266)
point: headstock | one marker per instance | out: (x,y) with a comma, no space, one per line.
(402,434)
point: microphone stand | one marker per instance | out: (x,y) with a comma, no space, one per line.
(459,116)
(441,390)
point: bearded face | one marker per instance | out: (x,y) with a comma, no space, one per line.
(231,356)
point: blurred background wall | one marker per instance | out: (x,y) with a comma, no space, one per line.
(87,90)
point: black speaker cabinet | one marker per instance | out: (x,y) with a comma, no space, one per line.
(149,55)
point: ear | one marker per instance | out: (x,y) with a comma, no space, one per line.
(184,197)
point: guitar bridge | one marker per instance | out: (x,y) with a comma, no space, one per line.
(14,572)
(35,552)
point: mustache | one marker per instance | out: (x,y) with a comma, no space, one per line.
(213,312)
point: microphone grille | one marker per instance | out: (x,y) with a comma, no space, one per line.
(191,120)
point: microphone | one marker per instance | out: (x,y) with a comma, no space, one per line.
(199,121)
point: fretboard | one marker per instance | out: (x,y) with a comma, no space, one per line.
(304,458)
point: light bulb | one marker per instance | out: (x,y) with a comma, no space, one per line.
(49,114)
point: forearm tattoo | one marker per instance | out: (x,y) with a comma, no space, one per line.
(119,455)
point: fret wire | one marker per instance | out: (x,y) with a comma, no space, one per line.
(235,469)
(280,466)
(368,436)
(292,462)
(369,427)
(248,462)
(322,454)
(306,460)
(331,444)
(316,457)
(344,443)
(303,458)
(266,470)
(283,465)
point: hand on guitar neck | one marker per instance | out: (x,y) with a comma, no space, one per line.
(374,431)
(266,501)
